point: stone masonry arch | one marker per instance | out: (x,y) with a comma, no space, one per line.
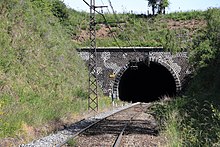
(118,76)
(112,63)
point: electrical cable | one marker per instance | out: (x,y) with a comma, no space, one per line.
(119,26)
(106,22)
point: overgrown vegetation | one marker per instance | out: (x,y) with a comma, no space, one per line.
(172,31)
(199,15)
(43,80)
(194,120)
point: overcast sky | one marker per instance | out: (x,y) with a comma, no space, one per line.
(140,6)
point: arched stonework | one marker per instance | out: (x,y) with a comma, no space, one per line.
(117,80)
(156,60)
(113,62)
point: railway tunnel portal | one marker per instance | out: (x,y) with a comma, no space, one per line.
(139,74)
(146,83)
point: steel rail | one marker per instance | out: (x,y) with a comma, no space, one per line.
(83,130)
(118,140)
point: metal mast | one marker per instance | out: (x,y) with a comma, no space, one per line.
(93,92)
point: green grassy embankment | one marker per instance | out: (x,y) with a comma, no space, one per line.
(194,119)
(43,82)
(172,31)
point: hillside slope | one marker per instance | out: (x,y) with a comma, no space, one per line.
(194,119)
(172,31)
(41,76)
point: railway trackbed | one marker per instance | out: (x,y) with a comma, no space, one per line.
(130,127)
(126,126)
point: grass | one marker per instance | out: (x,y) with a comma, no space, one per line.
(193,120)
(42,78)
(39,111)
(188,15)
(191,123)
(150,31)
(72,143)
(173,136)
(168,115)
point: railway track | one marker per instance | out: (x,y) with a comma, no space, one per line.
(112,131)
(59,138)
(118,140)
(101,126)
(129,125)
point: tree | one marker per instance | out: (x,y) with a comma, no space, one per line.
(160,5)
(153,5)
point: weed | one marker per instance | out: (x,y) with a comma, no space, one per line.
(72,143)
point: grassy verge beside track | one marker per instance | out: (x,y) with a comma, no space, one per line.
(194,119)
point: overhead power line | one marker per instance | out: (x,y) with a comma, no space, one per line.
(105,21)
(93,93)
(118,21)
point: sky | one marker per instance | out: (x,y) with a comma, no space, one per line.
(140,6)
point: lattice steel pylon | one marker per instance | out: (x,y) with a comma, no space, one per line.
(93,88)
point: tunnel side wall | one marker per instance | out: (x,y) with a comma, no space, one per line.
(112,64)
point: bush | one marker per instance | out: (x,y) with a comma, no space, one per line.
(60,10)
(206,44)
(195,121)
(203,54)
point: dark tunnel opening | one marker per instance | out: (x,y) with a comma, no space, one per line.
(146,83)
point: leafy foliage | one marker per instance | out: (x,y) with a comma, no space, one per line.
(158,5)
(203,54)
(198,113)
(60,10)
(206,44)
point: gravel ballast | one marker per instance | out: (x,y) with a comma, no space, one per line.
(62,136)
